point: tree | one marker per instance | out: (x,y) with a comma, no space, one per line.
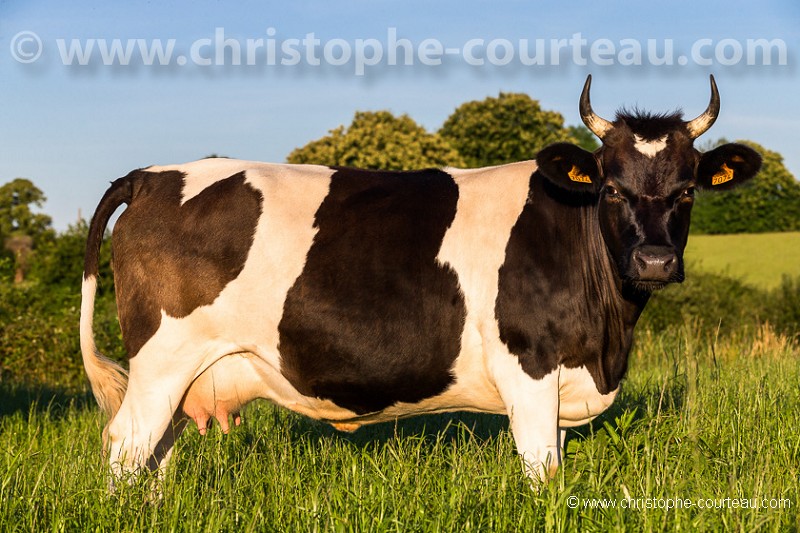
(379,140)
(511,127)
(21,230)
(583,138)
(768,202)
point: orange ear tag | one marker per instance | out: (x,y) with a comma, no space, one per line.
(576,175)
(724,175)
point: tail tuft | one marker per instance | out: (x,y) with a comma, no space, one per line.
(107,377)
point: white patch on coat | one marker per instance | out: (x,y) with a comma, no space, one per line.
(580,401)
(649,148)
(490,201)
(205,172)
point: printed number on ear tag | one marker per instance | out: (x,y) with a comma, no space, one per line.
(724,175)
(576,175)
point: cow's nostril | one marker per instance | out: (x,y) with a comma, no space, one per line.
(639,259)
(669,261)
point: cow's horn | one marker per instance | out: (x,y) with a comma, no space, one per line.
(700,125)
(593,121)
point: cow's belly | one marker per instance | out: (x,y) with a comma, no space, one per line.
(579,399)
(235,380)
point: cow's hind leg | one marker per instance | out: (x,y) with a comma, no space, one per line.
(138,436)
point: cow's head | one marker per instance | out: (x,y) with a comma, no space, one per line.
(644,176)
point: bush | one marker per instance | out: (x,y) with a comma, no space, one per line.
(59,262)
(784,307)
(39,341)
(723,305)
(710,299)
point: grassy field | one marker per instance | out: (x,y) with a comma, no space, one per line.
(758,258)
(698,420)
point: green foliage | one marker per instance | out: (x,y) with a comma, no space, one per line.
(584,138)
(784,306)
(504,129)
(379,140)
(708,300)
(60,260)
(39,341)
(16,216)
(39,320)
(6,266)
(721,305)
(38,335)
(768,202)
(21,230)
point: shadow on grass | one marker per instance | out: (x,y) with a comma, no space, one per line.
(432,429)
(669,397)
(16,398)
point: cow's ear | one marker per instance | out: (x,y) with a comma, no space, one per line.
(570,167)
(727,166)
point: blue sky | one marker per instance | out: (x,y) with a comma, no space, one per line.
(73,128)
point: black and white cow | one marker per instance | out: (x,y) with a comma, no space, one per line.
(359,296)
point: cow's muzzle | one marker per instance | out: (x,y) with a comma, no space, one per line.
(658,264)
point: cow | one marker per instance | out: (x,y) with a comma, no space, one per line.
(361,296)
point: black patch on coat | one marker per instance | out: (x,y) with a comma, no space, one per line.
(178,257)
(558,299)
(374,318)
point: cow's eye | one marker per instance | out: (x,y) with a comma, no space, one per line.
(688,193)
(611,191)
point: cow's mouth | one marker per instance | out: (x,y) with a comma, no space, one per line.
(649,286)
(652,285)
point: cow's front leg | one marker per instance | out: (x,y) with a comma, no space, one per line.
(532,407)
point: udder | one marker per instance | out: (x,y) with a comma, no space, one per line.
(221,391)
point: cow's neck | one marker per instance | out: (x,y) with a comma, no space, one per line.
(614,306)
(560,299)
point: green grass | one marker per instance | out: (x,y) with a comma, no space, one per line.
(760,259)
(697,419)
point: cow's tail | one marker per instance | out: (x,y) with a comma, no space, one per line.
(107,377)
